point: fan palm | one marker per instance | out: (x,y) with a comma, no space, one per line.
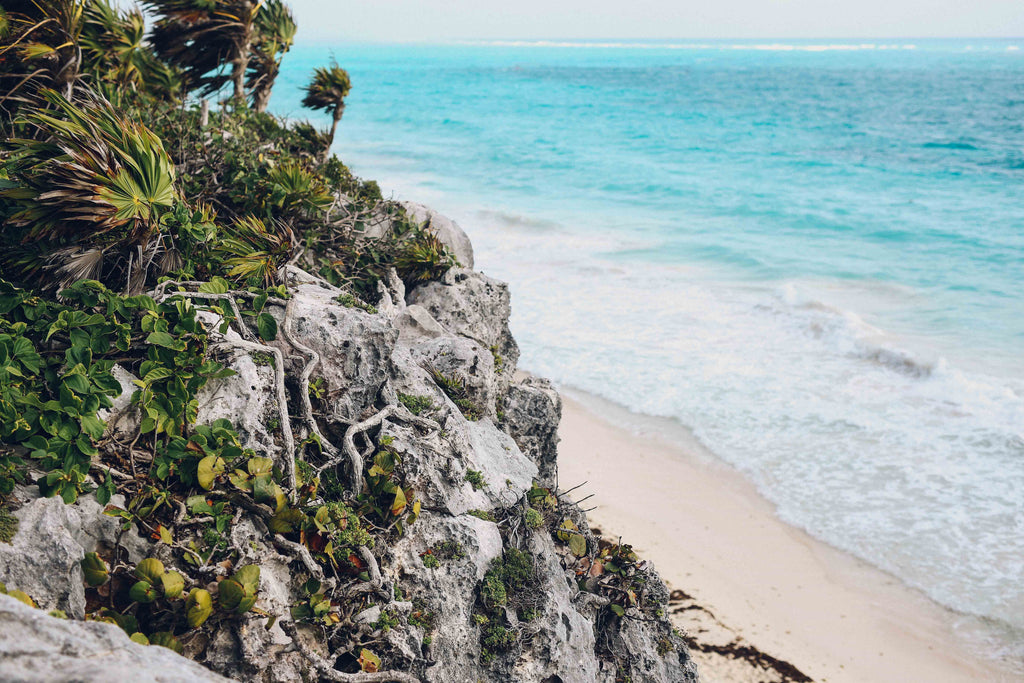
(327,92)
(93,190)
(202,36)
(275,34)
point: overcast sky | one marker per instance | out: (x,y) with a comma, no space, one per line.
(443,20)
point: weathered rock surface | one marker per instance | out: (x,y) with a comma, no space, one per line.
(472,305)
(532,411)
(35,647)
(355,347)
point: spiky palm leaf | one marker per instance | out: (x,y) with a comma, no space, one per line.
(115,51)
(97,184)
(275,34)
(255,251)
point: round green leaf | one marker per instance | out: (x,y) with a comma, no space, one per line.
(248,576)
(578,545)
(229,594)
(139,638)
(150,570)
(173,585)
(95,570)
(266,325)
(143,592)
(166,639)
(199,607)
(210,468)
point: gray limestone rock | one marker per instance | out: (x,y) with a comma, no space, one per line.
(532,411)
(355,348)
(472,305)
(35,647)
(43,558)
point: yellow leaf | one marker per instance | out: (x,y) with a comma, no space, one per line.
(398,506)
(165,535)
(368,661)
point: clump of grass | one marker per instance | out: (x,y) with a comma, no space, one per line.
(8,525)
(415,404)
(475,478)
(349,301)
(454,386)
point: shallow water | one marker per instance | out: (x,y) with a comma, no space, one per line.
(811,254)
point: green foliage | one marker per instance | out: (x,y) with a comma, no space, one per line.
(275,33)
(384,500)
(507,583)
(534,519)
(387,621)
(485,515)
(95,570)
(238,593)
(422,258)
(430,560)
(349,301)
(8,525)
(454,386)
(475,478)
(318,389)
(316,607)
(415,404)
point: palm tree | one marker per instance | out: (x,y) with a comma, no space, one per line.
(201,36)
(327,92)
(115,52)
(275,34)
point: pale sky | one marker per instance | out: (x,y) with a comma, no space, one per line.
(444,20)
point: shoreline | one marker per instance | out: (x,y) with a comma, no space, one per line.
(750,589)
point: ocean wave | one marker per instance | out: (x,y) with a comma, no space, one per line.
(769,47)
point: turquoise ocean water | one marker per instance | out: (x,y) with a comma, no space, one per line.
(810,253)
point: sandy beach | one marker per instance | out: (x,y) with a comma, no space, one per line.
(764,600)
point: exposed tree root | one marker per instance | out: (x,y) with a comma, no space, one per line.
(282,403)
(302,553)
(307,372)
(355,458)
(327,671)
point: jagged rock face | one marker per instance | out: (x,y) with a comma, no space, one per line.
(532,412)
(37,647)
(43,558)
(355,347)
(472,305)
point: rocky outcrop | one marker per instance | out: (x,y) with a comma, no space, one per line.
(532,411)
(447,230)
(38,648)
(499,577)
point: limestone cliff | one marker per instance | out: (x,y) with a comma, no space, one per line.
(497,578)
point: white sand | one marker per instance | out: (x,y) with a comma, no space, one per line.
(710,534)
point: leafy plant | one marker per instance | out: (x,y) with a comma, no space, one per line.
(475,478)
(415,404)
